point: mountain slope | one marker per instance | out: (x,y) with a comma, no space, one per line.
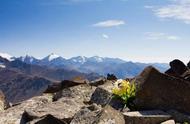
(18,86)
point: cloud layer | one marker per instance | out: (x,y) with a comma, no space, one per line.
(160,36)
(177,9)
(109,23)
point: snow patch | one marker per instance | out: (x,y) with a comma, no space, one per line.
(52,56)
(6,56)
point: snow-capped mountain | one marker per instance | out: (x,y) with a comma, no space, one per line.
(78,59)
(7,56)
(28,59)
(51,57)
(95,64)
(96,59)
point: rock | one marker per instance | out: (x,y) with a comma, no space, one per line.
(83,91)
(86,115)
(159,91)
(3,102)
(55,87)
(111,77)
(13,115)
(168,122)
(101,96)
(179,117)
(146,117)
(177,68)
(109,115)
(48,119)
(66,106)
(98,82)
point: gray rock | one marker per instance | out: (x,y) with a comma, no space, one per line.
(70,102)
(160,91)
(86,115)
(101,96)
(109,115)
(146,117)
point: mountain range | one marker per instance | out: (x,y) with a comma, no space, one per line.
(95,64)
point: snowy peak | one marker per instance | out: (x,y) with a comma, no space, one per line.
(27,59)
(78,59)
(6,56)
(51,57)
(96,59)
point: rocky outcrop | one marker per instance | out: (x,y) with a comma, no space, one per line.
(160,99)
(13,115)
(179,69)
(3,102)
(111,77)
(160,91)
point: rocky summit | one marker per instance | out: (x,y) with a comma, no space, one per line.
(161,98)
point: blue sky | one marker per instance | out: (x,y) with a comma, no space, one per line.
(136,30)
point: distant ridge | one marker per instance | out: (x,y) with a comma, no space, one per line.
(95,64)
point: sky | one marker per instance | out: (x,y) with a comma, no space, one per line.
(133,30)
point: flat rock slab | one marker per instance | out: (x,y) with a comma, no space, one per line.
(146,117)
(168,122)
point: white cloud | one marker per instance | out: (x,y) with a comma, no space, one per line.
(105,36)
(160,36)
(173,37)
(109,23)
(149,7)
(177,9)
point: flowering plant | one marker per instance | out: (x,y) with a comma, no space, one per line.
(124,90)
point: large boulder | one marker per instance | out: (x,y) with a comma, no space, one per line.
(104,97)
(146,117)
(177,68)
(160,91)
(3,102)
